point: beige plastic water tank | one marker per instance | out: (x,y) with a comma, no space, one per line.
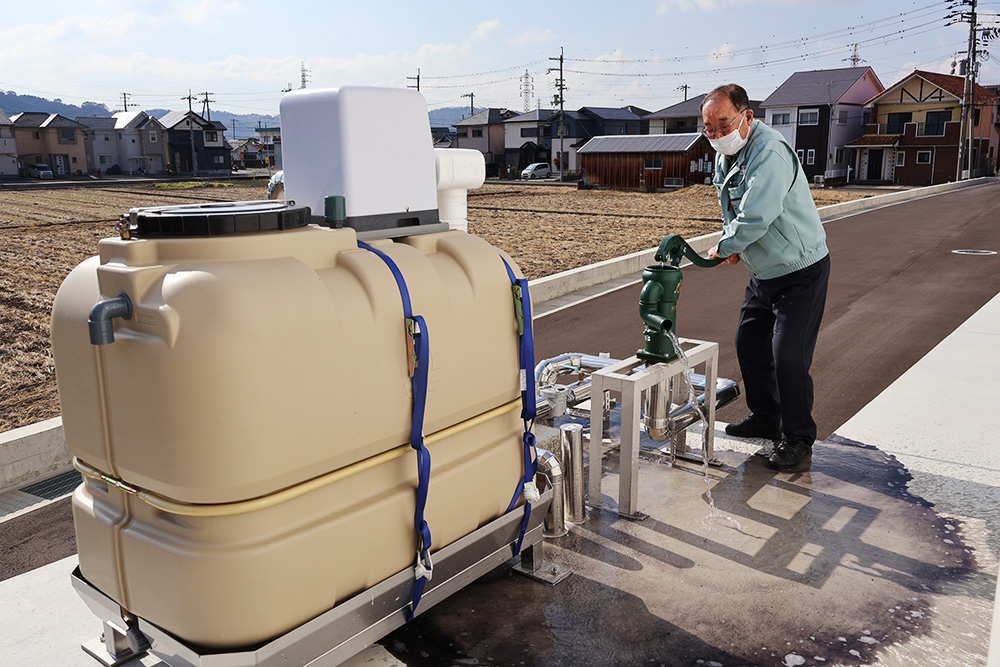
(252,364)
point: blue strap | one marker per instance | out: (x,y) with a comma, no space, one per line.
(418,355)
(526,355)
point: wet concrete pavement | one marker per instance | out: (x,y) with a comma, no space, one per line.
(883,553)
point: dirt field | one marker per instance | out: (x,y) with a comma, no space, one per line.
(547,229)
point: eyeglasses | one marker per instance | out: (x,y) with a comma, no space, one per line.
(724,130)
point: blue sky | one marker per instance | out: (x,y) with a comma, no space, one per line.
(629,52)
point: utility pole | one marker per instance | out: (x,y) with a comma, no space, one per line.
(206,111)
(560,99)
(125,97)
(190,122)
(472,103)
(685,88)
(527,90)
(414,78)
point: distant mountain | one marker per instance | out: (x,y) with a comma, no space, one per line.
(448,116)
(12,103)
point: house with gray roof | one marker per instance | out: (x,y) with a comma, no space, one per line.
(527,139)
(131,142)
(195,144)
(8,149)
(484,131)
(51,139)
(684,117)
(647,162)
(819,112)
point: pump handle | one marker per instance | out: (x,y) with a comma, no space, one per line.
(674,247)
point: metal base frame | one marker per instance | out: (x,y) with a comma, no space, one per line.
(630,383)
(360,621)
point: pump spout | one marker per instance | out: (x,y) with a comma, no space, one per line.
(102,328)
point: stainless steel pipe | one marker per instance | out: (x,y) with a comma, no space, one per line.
(554,524)
(571,444)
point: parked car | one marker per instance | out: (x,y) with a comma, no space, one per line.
(39,170)
(536,170)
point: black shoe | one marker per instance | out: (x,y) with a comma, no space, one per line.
(790,455)
(754,427)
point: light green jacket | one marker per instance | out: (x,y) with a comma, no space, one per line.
(768,214)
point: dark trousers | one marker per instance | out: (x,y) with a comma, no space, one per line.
(779,324)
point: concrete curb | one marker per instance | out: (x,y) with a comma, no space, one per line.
(29,452)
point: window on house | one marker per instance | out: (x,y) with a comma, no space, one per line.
(895,122)
(529,131)
(809,117)
(781,119)
(107,137)
(654,163)
(34,135)
(935,121)
(104,159)
(839,156)
(462,133)
(923,157)
(219,159)
(477,132)
(801,154)
(975,117)
(842,117)
(811,156)
(866,117)
(900,159)
(211,136)
(67,136)
(152,136)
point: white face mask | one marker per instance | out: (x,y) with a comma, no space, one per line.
(732,143)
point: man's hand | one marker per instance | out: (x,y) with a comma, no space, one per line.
(714,254)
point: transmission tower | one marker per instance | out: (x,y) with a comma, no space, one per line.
(527,90)
(305,75)
(854,58)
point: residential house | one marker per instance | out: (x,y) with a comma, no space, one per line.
(443,137)
(100,144)
(52,139)
(8,149)
(819,113)
(189,135)
(142,146)
(484,131)
(683,117)
(527,139)
(646,162)
(130,142)
(915,130)
(586,123)
(269,143)
(246,153)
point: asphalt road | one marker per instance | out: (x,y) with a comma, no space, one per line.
(896,290)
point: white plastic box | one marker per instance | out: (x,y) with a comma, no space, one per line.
(370,145)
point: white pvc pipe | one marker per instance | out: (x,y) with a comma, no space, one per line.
(458,171)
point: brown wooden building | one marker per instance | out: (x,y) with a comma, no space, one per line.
(646,162)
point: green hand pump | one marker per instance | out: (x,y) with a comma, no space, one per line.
(661,287)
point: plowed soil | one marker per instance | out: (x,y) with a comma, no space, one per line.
(546,229)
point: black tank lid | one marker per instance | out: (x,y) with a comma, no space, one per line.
(217,219)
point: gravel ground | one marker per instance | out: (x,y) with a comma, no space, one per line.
(546,229)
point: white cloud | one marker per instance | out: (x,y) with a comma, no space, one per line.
(206,15)
(485,30)
(723,53)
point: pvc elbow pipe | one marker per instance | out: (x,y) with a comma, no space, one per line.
(458,170)
(101,324)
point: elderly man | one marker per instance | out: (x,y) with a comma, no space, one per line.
(771,225)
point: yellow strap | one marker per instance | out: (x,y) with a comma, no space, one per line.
(244,506)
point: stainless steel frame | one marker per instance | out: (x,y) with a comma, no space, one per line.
(623,378)
(358,622)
